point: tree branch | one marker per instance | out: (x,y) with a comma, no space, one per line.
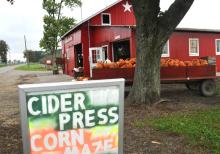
(146,10)
(11,1)
(173,16)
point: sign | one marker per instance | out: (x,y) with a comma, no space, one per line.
(73,118)
(48,62)
(117,37)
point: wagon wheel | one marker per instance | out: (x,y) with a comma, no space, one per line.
(192,85)
(207,88)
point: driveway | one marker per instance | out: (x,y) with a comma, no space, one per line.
(10,136)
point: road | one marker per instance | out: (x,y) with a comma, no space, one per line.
(7,68)
(10,133)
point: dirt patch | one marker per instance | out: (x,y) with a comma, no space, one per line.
(10,139)
(176,99)
(26,79)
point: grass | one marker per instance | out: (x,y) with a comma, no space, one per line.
(31,67)
(3,65)
(218,90)
(200,128)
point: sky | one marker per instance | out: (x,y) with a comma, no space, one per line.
(25,17)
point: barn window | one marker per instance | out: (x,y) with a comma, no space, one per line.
(106,19)
(217,43)
(193,47)
(166,50)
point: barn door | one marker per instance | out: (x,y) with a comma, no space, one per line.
(95,55)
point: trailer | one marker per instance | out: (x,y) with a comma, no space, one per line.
(200,78)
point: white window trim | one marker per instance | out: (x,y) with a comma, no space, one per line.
(193,54)
(107,50)
(216,49)
(168,50)
(68,54)
(110,21)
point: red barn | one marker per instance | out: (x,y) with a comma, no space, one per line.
(110,34)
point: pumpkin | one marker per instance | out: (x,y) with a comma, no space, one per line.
(121,62)
(112,65)
(79,78)
(203,62)
(129,65)
(132,61)
(171,63)
(162,61)
(165,65)
(182,64)
(99,65)
(85,79)
(106,65)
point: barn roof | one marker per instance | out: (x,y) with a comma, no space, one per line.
(198,30)
(83,21)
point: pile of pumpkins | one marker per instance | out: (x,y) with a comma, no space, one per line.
(131,63)
(179,63)
(82,78)
(128,63)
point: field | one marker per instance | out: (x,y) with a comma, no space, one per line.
(200,128)
(32,67)
(2,65)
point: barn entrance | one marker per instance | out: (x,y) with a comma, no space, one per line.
(78,55)
(78,60)
(121,50)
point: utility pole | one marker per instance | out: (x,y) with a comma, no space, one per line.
(25,44)
(81,12)
(106,4)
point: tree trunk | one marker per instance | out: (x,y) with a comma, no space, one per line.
(152,32)
(146,85)
(54,66)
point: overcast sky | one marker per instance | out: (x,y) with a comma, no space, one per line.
(25,17)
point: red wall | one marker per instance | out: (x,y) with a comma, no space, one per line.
(102,35)
(68,44)
(118,16)
(85,48)
(179,45)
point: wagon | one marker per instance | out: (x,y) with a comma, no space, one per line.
(200,78)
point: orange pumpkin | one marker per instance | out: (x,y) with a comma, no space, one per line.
(182,64)
(171,63)
(129,65)
(132,61)
(99,65)
(106,65)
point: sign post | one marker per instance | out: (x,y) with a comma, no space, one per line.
(73,118)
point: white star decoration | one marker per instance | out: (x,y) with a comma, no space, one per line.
(127,7)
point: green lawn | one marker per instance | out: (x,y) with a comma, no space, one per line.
(200,128)
(31,67)
(218,89)
(2,65)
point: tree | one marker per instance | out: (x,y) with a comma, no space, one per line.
(3,51)
(55,24)
(153,29)
(34,56)
(11,1)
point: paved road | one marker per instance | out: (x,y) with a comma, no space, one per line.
(7,69)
